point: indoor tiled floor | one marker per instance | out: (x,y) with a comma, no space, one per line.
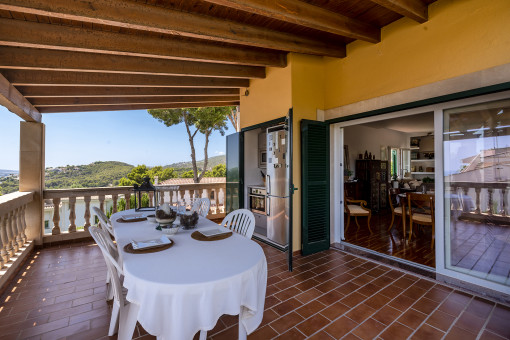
(61,294)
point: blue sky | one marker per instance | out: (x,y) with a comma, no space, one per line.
(133,137)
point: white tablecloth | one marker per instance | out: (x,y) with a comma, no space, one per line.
(187,287)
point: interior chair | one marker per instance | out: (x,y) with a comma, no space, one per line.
(240,221)
(201,206)
(421,212)
(396,209)
(357,208)
(120,305)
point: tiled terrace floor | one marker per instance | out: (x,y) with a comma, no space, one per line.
(61,294)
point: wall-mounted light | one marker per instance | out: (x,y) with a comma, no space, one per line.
(246,93)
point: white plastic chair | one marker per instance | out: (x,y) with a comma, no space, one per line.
(121,307)
(241,221)
(202,206)
(104,220)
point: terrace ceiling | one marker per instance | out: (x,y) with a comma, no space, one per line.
(101,55)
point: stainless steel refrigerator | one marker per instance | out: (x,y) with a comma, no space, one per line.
(277,185)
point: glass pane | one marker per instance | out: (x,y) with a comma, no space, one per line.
(406,163)
(476,178)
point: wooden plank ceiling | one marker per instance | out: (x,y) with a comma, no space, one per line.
(100,55)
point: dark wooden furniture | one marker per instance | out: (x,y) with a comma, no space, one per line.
(352,190)
(373,176)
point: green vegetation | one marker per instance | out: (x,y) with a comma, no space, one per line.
(202,119)
(139,172)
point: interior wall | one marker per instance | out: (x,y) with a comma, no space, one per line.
(360,138)
(460,37)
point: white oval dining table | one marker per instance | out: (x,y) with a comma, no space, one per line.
(186,288)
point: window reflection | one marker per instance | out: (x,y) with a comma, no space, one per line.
(476,176)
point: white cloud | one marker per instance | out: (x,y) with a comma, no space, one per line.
(219,153)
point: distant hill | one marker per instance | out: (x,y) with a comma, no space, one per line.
(211,163)
(97,174)
(4,173)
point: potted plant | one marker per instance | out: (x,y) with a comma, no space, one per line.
(347,174)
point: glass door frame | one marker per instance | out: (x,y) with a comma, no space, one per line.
(337,220)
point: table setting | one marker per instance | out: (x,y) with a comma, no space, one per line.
(183,280)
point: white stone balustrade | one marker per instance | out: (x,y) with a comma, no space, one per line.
(12,224)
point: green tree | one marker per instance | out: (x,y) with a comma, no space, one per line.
(203,119)
(219,170)
(187,174)
(139,172)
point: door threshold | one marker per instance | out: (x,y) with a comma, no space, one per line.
(393,261)
(267,241)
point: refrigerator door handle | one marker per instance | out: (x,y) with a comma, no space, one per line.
(268,206)
(268,184)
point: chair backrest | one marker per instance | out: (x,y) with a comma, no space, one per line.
(115,270)
(392,197)
(241,221)
(202,206)
(420,203)
(104,220)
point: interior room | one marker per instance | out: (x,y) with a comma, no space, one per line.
(385,160)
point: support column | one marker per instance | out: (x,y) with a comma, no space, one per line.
(31,176)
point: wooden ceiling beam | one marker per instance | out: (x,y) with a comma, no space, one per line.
(22,58)
(85,108)
(304,14)
(139,16)
(14,101)
(413,9)
(104,91)
(32,34)
(68,101)
(66,78)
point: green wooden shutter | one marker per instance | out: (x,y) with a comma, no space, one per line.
(315,186)
(235,172)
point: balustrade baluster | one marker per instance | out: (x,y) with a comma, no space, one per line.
(490,191)
(101,202)
(72,214)
(477,192)
(10,239)
(161,197)
(19,231)
(3,239)
(115,197)
(464,204)
(56,217)
(182,193)
(24,223)
(171,197)
(151,199)
(86,199)
(504,202)
(127,197)
(14,229)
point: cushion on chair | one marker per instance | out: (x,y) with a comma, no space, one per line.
(422,218)
(357,210)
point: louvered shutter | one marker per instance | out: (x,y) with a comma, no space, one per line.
(315,186)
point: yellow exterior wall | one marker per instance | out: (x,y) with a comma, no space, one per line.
(307,97)
(460,37)
(269,98)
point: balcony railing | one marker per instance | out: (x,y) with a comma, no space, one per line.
(79,201)
(486,202)
(13,224)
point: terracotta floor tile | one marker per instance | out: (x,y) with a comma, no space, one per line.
(414,292)
(310,309)
(361,313)
(425,305)
(499,326)
(327,286)
(320,336)
(451,307)
(287,306)
(348,288)
(424,284)
(457,333)
(436,294)
(44,328)
(286,322)
(391,291)
(412,318)
(309,295)
(403,283)
(387,315)
(340,327)
(330,298)
(502,311)
(480,307)
(487,335)
(368,329)
(441,320)
(287,293)
(263,333)
(313,324)
(377,301)
(427,332)
(396,331)
(353,299)
(369,289)
(470,323)
(293,334)
(307,284)
(460,297)
(334,311)
(269,316)
(67,331)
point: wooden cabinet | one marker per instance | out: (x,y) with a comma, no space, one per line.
(373,178)
(353,190)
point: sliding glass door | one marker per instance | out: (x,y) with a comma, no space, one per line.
(476,152)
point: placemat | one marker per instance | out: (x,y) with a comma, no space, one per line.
(120,220)
(128,248)
(199,237)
